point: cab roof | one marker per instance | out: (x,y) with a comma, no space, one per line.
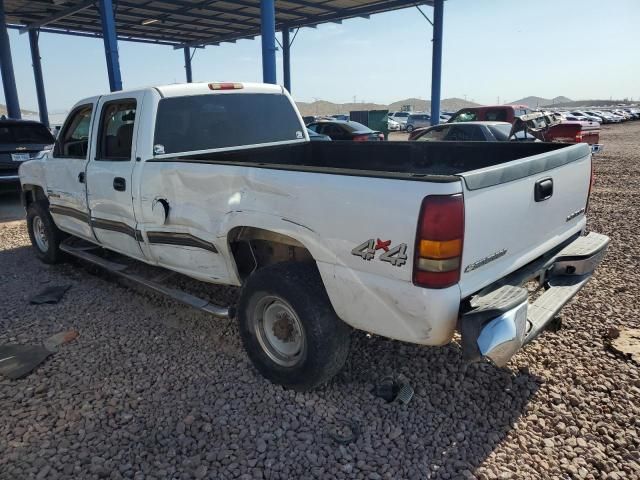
(186,89)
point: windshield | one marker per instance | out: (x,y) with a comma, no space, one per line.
(204,122)
(25,133)
(501,132)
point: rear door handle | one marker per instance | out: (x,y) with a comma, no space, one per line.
(119,184)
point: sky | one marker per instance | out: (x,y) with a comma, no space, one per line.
(493,50)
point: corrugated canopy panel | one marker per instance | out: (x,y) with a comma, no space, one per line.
(188,22)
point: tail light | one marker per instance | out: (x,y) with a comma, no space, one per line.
(361,138)
(438,251)
(578,137)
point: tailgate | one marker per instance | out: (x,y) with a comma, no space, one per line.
(508,224)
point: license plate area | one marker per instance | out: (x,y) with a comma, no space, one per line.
(20,157)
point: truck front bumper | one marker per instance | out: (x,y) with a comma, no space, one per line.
(502,320)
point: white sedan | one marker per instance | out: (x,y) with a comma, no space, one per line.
(393,125)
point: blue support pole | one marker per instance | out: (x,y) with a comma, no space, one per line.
(286,59)
(187,64)
(110,44)
(37,75)
(436,61)
(6,68)
(268,32)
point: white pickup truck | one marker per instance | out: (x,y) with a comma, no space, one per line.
(409,240)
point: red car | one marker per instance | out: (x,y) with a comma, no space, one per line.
(547,128)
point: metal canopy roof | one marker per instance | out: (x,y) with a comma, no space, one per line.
(187,22)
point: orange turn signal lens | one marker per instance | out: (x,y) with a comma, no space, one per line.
(440,249)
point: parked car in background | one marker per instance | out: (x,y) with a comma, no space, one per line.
(635,113)
(317,137)
(341,130)
(21,140)
(307,119)
(491,113)
(585,115)
(418,120)
(400,117)
(470,132)
(603,117)
(341,116)
(392,125)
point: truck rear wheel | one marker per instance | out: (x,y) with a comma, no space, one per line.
(288,326)
(45,236)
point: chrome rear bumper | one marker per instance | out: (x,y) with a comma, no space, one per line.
(502,320)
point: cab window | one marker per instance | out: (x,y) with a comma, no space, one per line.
(115,139)
(73,140)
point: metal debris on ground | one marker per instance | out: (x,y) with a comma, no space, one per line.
(391,389)
(16,361)
(626,342)
(49,295)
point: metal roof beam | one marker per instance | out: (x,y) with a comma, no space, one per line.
(187,13)
(59,16)
(97,34)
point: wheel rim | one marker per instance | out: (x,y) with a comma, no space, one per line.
(40,234)
(279,331)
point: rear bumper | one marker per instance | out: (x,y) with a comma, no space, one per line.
(597,148)
(502,320)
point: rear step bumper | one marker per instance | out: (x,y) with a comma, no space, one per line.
(502,320)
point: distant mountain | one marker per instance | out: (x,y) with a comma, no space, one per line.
(535,102)
(322,107)
(3,111)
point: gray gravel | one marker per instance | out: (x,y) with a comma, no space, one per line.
(151,389)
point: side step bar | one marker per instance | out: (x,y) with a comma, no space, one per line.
(120,270)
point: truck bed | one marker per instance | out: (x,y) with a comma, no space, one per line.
(418,161)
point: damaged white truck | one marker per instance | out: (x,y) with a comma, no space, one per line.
(409,240)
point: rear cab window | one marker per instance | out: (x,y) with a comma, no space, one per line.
(224,120)
(25,133)
(465,116)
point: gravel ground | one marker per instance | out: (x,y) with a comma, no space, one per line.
(151,389)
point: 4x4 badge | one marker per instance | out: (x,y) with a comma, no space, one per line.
(396,256)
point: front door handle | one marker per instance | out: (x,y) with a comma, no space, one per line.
(119,184)
(81,177)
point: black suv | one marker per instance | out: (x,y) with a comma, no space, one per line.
(20,140)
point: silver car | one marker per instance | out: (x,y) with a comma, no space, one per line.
(418,120)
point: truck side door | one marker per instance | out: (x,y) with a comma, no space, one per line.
(109,173)
(65,172)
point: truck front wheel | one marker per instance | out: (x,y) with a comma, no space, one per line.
(288,326)
(45,236)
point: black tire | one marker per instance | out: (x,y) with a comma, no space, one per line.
(326,338)
(49,253)
(410,128)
